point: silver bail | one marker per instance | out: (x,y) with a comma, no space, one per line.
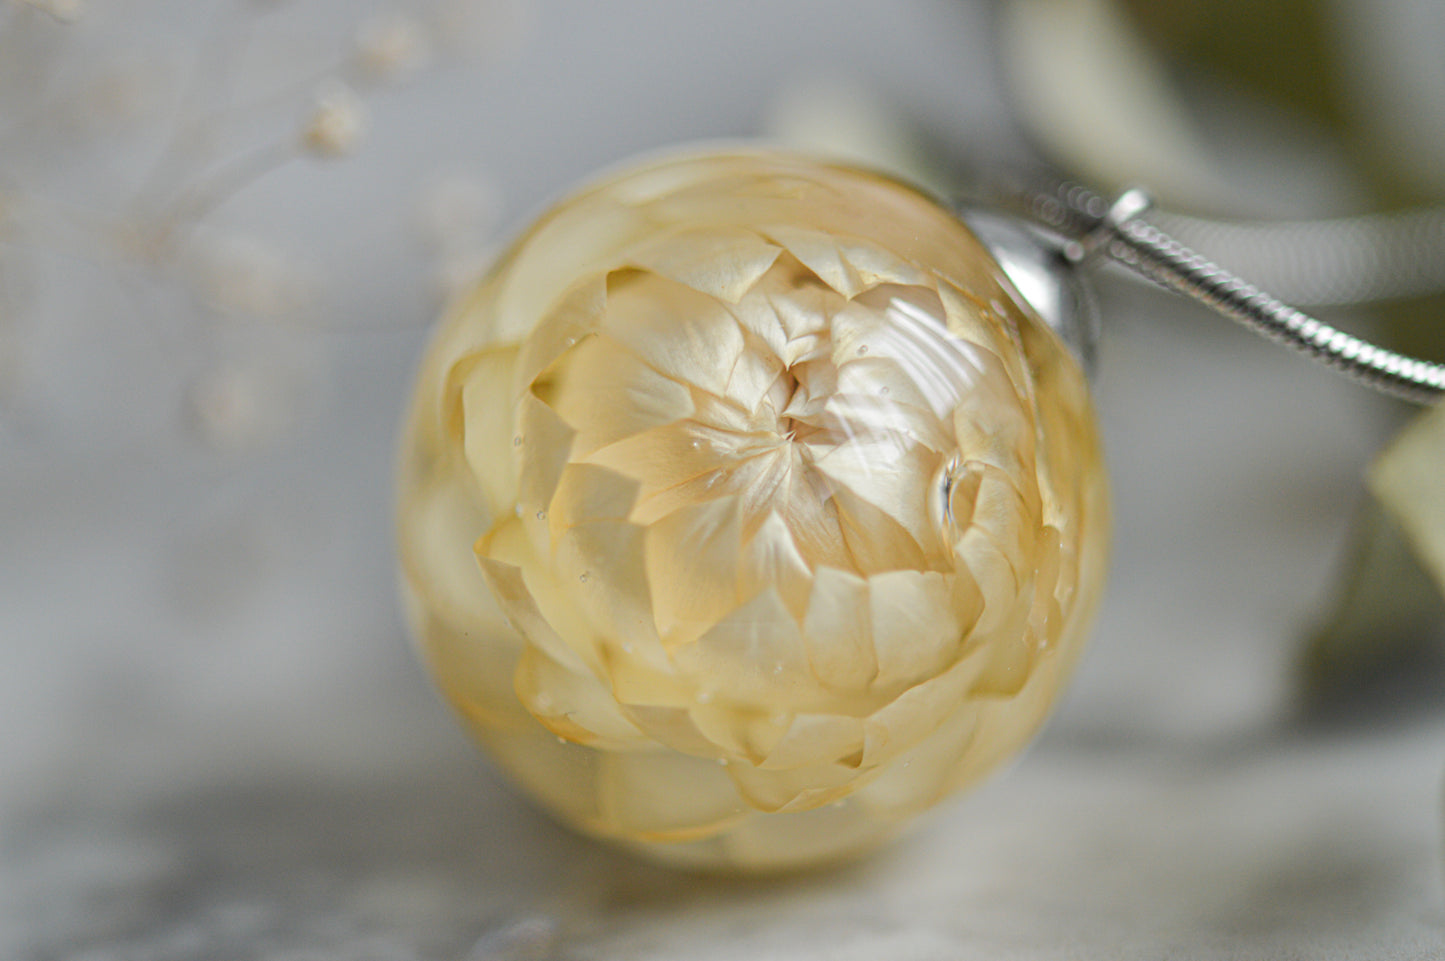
(1048,279)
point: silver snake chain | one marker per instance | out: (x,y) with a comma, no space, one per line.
(1403,254)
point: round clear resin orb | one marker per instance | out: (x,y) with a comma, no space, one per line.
(746,511)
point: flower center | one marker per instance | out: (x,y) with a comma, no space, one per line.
(813,423)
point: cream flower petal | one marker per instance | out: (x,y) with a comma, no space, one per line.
(1407,480)
(599,551)
(658,459)
(487,412)
(447,592)
(666,797)
(999,511)
(918,711)
(477,679)
(590,492)
(510,589)
(976,321)
(755,652)
(722,263)
(638,683)
(1012,661)
(681,333)
(814,737)
(822,255)
(795,789)
(999,736)
(915,633)
(838,630)
(876,540)
(545,443)
(573,705)
(530,595)
(526,289)
(754,380)
(611,395)
(806,501)
(692,562)
(849,265)
(744,732)
(573,320)
(998,582)
(885,472)
(723,424)
(876,397)
(788,311)
(613,594)
(771,558)
(436,552)
(921,776)
(676,728)
(1047,612)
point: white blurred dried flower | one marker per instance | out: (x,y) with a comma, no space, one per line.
(237,407)
(459,270)
(391,45)
(212,135)
(337,123)
(245,276)
(458,211)
(485,29)
(532,938)
(117,95)
(457,216)
(66,11)
(1407,480)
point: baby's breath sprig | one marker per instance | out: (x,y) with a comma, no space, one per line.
(223,135)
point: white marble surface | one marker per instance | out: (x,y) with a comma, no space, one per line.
(217,744)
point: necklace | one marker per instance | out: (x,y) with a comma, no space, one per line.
(1117,230)
(754,504)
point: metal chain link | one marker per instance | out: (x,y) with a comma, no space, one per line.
(1095,226)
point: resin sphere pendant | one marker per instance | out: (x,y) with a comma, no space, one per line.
(747,510)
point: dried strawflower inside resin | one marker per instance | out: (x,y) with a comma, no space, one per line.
(746,512)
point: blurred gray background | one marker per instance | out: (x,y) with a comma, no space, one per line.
(214,739)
